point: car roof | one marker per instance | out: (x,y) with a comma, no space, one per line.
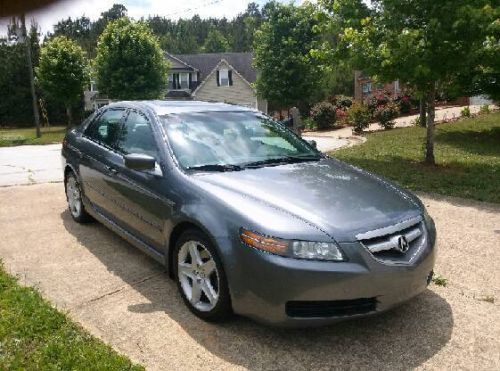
(165,107)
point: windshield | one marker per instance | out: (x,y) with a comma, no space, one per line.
(232,140)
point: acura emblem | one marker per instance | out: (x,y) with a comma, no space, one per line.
(403,244)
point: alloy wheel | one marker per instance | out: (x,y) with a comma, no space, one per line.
(74,197)
(198,275)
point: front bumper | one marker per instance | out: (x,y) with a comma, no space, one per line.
(268,287)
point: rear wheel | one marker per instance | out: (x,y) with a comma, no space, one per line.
(74,197)
(200,277)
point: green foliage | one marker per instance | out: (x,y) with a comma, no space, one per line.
(465,112)
(385,114)
(484,109)
(15,93)
(130,63)
(420,42)
(215,42)
(63,70)
(342,101)
(468,158)
(323,114)
(359,116)
(439,280)
(288,74)
(35,336)
(180,36)
(309,123)
(23,136)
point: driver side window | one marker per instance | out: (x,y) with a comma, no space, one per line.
(137,136)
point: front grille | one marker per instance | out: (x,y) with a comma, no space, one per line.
(335,308)
(384,244)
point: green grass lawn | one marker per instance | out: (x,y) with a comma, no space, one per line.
(35,336)
(16,137)
(467,158)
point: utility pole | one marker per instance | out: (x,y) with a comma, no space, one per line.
(27,43)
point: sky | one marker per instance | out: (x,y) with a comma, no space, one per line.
(174,9)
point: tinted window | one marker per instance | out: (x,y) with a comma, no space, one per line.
(106,128)
(137,136)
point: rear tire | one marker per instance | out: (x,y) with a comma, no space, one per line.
(200,277)
(74,198)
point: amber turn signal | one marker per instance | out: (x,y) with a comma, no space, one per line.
(272,245)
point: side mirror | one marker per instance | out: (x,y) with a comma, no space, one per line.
(140,162)
(313,143)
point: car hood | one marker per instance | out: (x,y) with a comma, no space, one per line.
(339,199)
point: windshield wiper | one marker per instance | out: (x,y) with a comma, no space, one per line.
(281,160)
(215,167)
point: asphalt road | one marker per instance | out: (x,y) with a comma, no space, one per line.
(30,164)
(125,298)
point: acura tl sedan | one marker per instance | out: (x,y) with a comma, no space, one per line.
(246,216)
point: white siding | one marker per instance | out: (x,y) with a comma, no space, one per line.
(239,93)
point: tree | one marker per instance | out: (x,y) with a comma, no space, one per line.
(63,72)
(215,42)
(130,63)
(426,44)
(288,74)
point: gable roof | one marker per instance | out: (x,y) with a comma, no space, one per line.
(217,66)
(178,63)
(206,62)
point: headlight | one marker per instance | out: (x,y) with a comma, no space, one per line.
(295,249)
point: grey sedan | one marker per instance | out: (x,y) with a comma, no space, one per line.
(247,217)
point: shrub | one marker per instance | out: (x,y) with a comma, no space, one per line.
(309,123)
(386,114)
(343,102)
(465,112)
(340,115)
(484,109)
(404,104)
(381,98)
(323,114)
(359,117)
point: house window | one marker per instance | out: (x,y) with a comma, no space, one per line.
(224,77)
(367,87)
(93,86)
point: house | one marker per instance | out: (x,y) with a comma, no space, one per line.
(213,77)
(365,87)
(217,77)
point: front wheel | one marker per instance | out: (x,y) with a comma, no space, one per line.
(74,197)
(200,277)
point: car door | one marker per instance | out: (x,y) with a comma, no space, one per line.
(99,159)
(145,209)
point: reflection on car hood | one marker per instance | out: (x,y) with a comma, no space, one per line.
(339,199)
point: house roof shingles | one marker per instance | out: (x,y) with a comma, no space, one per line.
(206,62)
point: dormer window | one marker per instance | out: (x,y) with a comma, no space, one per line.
(224,77)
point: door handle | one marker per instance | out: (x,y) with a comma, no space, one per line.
(111,169)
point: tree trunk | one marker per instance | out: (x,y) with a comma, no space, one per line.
(27,43)
(423,117)
(69,113)
(431,113)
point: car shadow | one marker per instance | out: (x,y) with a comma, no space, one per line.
(405,337)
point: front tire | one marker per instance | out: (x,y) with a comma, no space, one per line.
(200,277)
(74,198)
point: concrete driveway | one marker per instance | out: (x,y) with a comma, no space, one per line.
(30,164)
(125,298)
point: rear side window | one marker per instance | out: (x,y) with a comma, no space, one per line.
(137,136)
(106,128)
